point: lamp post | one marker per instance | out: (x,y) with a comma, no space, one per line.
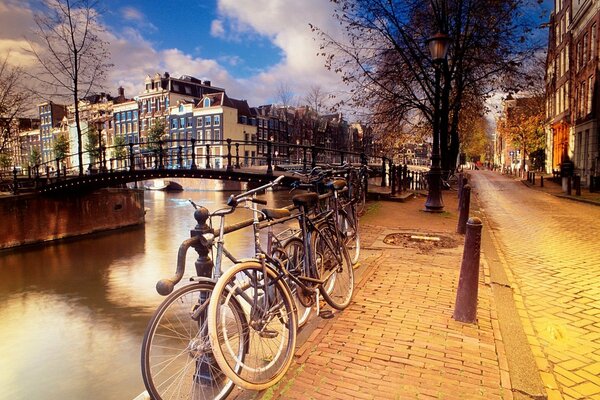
(438,47)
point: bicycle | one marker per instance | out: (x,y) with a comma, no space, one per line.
(176,356)
(262,287)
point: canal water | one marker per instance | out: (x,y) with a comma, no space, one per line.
(73,314)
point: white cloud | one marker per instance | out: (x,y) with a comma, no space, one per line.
(283,22)
(217,29)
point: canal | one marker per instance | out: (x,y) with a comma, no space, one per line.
(73,314)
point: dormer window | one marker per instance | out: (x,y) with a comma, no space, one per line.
(181,108)
(207,102)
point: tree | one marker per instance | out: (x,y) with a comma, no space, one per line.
(383,57)
(523,126)
(61,147)
(35,157)
(156,135)
(93,143)
(72,55)
(119,150)
(13,100)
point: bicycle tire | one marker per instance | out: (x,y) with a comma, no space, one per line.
(349,226)
(176,355)
(294,250)
(330,255)
(266,360)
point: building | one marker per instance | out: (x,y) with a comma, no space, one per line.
(51,115)
(163,91)
(216,118)
(584,69)
(572,89)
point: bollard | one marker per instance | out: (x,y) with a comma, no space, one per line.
(569,185)
(533,178)
(465,308)
(577,184)
(542,181)
(204,264)
(463,216)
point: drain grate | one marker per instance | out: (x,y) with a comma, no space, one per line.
(421,241)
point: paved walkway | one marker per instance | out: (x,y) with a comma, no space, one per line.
(397,339)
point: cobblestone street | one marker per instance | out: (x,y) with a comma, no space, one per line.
(549,248)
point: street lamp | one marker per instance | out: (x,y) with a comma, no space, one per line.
(438,47)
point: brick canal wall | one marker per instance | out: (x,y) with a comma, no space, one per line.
(27,219)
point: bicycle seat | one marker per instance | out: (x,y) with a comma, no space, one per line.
(305,199)
(276,213)
(337,184)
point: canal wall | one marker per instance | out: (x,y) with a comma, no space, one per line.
(30,218)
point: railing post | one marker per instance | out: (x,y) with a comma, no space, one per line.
(341,158)
(237,155)
(160,154)
(193,165)
(180,157)
(313,153)
(465,308)
(104,158)
(131,159)
(58,169)
(304,149)
(15,181)
(229,165)
(269,159)
(207,156)
(383,180)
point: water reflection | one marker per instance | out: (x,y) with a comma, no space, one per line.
(72,314)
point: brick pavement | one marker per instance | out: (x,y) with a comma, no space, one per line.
(548,246)
(397,339)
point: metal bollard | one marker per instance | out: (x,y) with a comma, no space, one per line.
(465,308)
(577,184)
(463,216)
(569,185)
(533,178)
(204,264)
(542,181)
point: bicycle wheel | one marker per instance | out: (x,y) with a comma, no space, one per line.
(332,260)
(294,251)
(270,334)
(177,360)
(349,226)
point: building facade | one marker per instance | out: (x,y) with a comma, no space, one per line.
(571,87)
(51,115)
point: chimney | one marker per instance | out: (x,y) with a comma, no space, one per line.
(121,91)
(207,83)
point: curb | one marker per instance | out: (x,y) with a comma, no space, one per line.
(560,195)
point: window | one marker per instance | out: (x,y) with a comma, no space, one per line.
(585,49)
(135,115)
(128,115)
(590,94)
(217,134)
(189,122)
(594,45)
(174,123)
(182,122)
(199,121)
(181,108)
(207,102)
(207,121)
(217,120)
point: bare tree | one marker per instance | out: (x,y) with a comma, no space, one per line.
(284,94)
(316,98)
(72,55)
(13,101)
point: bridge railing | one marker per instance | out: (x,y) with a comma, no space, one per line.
(197,154)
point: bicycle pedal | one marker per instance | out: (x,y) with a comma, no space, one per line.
(326,314)
(268,334)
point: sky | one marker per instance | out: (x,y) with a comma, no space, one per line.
(248,47)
